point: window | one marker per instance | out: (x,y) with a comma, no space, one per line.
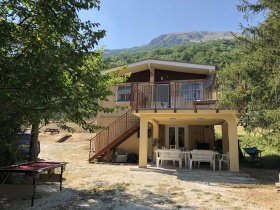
(123,93)
(161,95)
(191,91)
(175,137)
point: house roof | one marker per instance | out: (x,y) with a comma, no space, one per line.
(152,63)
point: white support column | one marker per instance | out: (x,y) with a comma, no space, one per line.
(155,135)
(143,144)
(233,144)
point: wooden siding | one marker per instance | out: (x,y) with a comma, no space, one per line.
(161,136)
(201,134)
(165,76)
(142,76)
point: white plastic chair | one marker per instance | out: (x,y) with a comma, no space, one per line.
(165,155)
(121,156)
(202,156)
(172,146)
(224,158)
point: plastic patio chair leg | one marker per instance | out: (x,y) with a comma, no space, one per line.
(158,162)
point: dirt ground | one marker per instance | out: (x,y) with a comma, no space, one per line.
(110,186)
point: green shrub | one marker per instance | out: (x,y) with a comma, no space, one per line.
(270,147)
(8,153)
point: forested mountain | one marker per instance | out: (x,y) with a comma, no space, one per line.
(174,39)
(219,53)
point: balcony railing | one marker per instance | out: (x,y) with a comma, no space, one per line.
(173,95)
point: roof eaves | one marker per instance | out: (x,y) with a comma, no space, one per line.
(166,62)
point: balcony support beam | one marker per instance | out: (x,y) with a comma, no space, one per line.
(143,142)
(233,144)
(175,97)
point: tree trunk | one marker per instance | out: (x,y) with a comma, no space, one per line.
(33,151)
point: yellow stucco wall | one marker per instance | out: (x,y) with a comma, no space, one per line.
(105,121)
(143,144)
(111,103)
(131,145)
(225,139)
(233,143)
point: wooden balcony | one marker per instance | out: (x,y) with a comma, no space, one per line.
(193,95)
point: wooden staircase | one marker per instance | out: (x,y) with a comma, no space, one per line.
(116,133)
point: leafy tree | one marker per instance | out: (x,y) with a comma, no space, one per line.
(47,65)
(253,83)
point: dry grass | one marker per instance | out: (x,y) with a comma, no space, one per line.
(147,189)
(107,186)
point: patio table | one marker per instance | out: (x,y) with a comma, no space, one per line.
(39,171)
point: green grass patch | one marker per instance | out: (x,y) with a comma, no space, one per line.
(270,145)
(196,190)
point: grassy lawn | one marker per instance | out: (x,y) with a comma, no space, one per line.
(271,148)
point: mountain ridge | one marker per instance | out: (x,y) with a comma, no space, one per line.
(185,37)
(173,39)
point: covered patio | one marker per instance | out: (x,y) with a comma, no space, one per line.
(191,121)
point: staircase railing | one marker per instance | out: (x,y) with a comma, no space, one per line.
(114,130)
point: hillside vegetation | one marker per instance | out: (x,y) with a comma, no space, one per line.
(174,39)
(218,52)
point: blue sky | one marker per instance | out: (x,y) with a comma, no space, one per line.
(131,23)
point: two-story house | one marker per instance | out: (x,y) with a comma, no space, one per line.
(169,104)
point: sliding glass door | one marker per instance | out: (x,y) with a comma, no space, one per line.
(162,95)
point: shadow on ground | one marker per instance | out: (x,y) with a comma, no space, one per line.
(247,175)
(103,196)
(266,162)
(267,171)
